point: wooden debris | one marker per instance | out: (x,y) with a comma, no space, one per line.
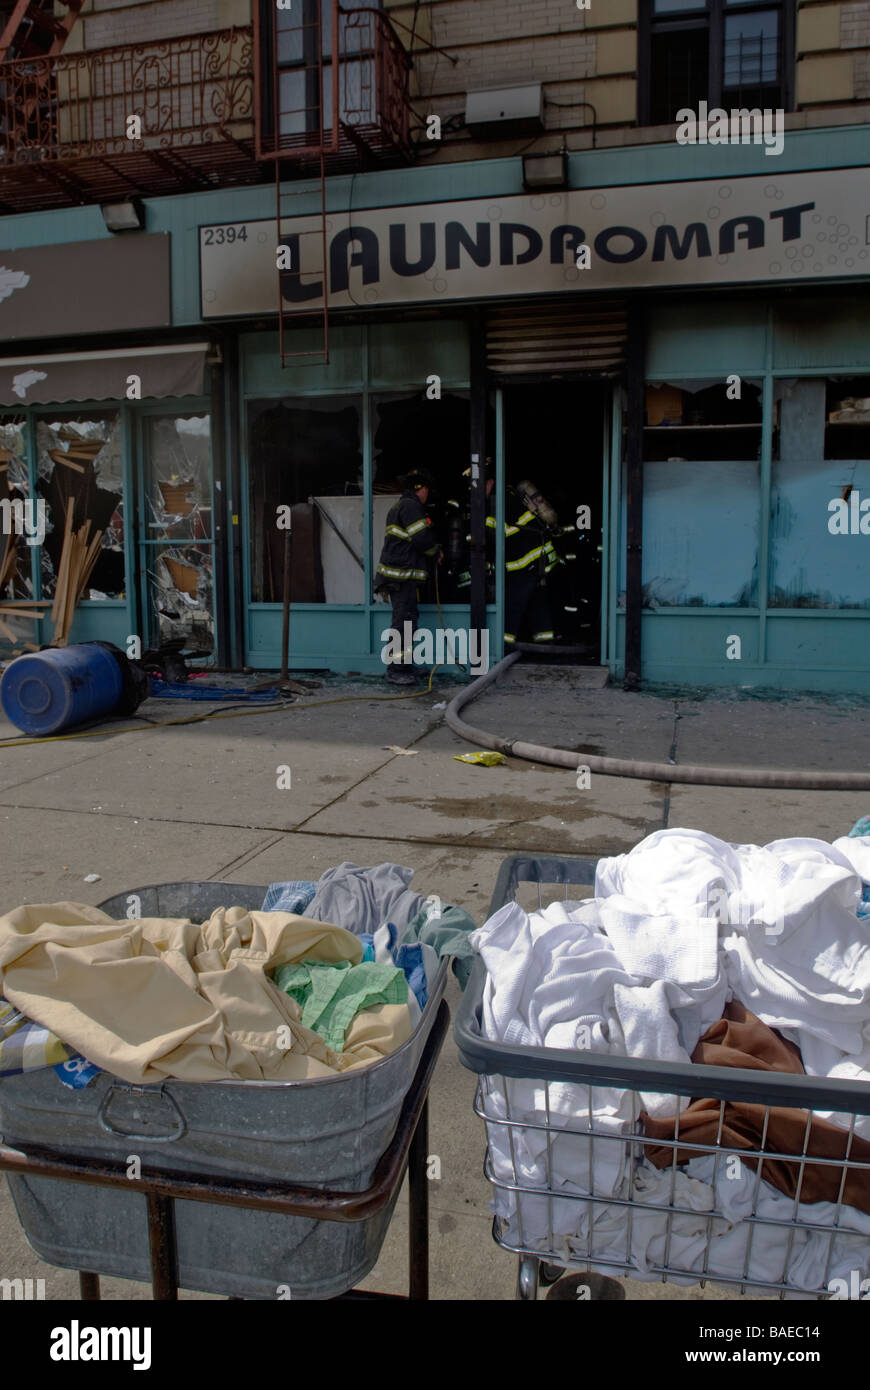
(60,457)
(185,577)
(79,554)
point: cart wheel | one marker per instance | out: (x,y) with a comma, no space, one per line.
(587,1286)
(550,1273)
(527,1277)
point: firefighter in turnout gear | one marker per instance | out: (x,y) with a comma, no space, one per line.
(530,557)
(408,545)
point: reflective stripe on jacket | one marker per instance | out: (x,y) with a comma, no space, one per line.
(407,539)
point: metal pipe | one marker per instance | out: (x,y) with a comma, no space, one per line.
(786,780)
(285,611)
(418,1210)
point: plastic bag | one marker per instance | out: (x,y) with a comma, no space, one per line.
(482,759)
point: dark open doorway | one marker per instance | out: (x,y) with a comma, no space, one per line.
(554,440)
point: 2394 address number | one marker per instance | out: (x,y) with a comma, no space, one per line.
(220,236)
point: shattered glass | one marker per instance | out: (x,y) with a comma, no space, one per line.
(80,457)
(177,529)
(15,577)
(181,584)
(178,479)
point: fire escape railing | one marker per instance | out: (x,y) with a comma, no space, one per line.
(332,87)
(369,86)
(373,77)
(170,94)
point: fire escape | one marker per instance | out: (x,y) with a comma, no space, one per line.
(333,90)
(314,89)
(31,28)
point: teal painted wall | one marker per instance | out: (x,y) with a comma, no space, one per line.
(799,648)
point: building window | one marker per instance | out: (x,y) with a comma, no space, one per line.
(307,456)
(702,473)
(297,51)
(729,53)
(80,460)
(177,540)
(821,476)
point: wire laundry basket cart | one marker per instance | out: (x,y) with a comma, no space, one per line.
(574,1184)
(251,1189)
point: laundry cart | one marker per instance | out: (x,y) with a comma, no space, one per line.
(251,1189)
(571,1165)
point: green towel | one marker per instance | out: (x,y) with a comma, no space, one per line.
(447,933)
(331,996)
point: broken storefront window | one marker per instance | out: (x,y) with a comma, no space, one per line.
(18,516)
(178,532)
(79,461)
(307,455)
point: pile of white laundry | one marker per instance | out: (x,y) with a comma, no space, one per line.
(678,927)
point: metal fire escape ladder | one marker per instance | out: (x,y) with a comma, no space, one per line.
(33,30)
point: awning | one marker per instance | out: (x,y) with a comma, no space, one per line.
(113,375)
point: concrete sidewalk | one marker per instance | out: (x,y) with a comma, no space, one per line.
(200,801)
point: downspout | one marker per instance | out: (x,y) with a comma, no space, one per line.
(634,495)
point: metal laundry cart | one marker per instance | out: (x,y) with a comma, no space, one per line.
(572,1188)
(250,1189)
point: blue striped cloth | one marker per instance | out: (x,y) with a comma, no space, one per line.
(289,897)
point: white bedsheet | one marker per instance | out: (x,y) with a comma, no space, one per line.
(678,927)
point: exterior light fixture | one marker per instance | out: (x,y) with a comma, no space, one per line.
(545,170)
(128,216)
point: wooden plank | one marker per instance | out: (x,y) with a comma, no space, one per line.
(60,593)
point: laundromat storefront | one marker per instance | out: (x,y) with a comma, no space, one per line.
(730,528)
(110,445)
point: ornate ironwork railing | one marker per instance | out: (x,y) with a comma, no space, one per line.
(169,94)
(373,75)
(311,103)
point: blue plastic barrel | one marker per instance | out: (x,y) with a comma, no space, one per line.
(48,691)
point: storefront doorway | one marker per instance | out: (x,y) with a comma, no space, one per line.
(554,440)
(176,532)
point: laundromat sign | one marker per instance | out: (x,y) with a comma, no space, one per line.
(712,231)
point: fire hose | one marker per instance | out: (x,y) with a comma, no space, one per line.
(783,779)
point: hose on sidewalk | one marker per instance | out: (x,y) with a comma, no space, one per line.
(782,779)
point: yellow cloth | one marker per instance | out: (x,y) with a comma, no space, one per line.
(158,997)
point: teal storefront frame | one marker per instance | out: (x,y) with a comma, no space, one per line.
(365,360)
(111,619)
(801,648)
(105,620)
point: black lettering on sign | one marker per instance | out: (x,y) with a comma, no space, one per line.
(225,236)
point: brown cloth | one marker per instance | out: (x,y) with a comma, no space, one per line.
(740,1039)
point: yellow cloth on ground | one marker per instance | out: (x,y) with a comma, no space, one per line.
(158,997)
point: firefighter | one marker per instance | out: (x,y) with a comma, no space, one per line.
(408,544)
(530,557)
